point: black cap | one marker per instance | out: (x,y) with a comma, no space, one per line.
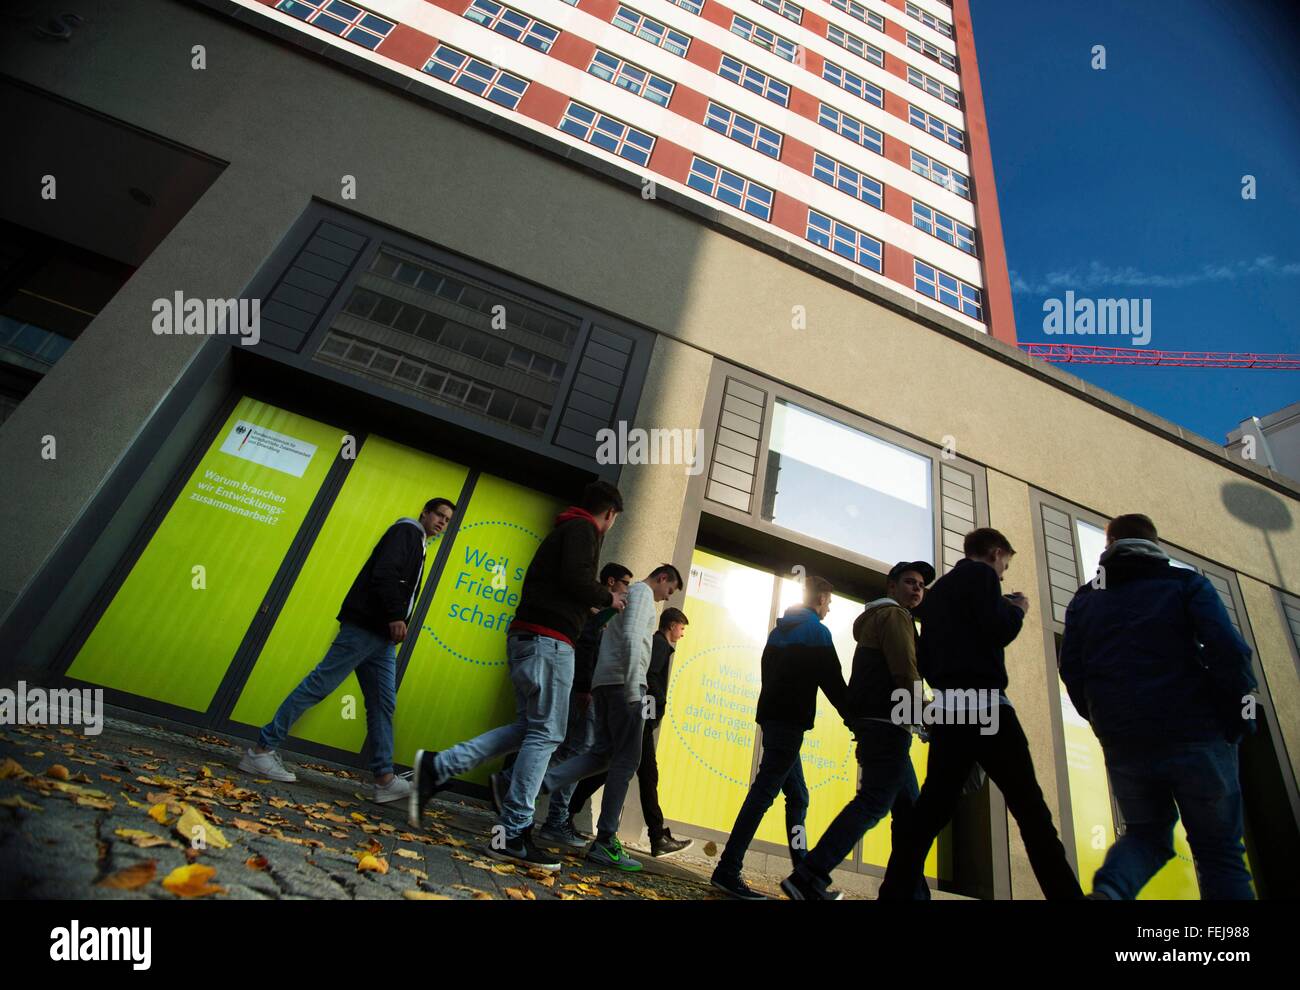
(920,566)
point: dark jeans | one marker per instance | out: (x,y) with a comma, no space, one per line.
(1154,783)
(647,775)
(1004,755)
(888,785)
(779,772)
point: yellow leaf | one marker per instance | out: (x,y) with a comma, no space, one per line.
(159,813)
(16,801)
(131,878)
(11,768)
(257,863)
(192,881)
(359,817)
(276,802)
(144,840)
(372,863)
(101,804)
(424,895)
(192,824)
(407,853)
(58,771)
(523,893)
(414,872)
(503,868)
(246,826)
(205,772)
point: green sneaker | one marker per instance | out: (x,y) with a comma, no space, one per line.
(613,854)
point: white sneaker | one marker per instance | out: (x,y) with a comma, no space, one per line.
(266,765)
(397,789)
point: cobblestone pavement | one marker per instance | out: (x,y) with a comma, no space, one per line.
(114,815)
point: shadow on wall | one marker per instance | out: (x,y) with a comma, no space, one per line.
(1261,509)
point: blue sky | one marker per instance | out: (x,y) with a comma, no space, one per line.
(1126,182)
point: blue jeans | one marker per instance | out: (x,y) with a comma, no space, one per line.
(779,772)
(374,658)
(578,737)
(541,670)
(888,785)
(1155,783)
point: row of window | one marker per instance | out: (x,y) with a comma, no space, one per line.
(437,382)
(504,88)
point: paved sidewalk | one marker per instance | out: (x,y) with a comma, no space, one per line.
(86,816)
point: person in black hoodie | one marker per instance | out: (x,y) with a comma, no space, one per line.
(883,665)
(966,622)
(798,659)
(559,591)
(372,622)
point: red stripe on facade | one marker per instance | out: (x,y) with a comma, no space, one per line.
(999,314)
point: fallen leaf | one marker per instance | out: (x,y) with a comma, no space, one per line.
(192,823)
(192,881)
(131,878)
(710,849)
(276,802)
(359,817)
(144,840)
(58,771)
(12,768)
(16,801)
(372,863)
(503,868)
(424,895)
(159,813)
(246,826)
(407,853)
(478,895)
(205,772)
(100,804)
(414,872)
(110,777)
(257,863)
(523,893)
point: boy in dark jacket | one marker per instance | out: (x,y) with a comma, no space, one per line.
(798,659)
(372,622)
(1150,658)
(883,665)
(559,591)
(966,623)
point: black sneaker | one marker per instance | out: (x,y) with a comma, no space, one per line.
(737,888)
(498,785)
(666,845)
(798,886)
(424,785)
(521,850)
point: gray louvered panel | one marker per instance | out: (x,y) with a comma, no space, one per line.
(1056,516)
(740,407)
(737,441)
(727,496)
(966,513)
(955,492)
(735,459)
(957,476)
(746,392)
(729,476)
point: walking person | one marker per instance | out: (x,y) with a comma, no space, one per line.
(559,589)
(1152,661)
(966,622)
(372,622)
(798,659)
(672,627)
(558,829)
(618,688)
(884,665)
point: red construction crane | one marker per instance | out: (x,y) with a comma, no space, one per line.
(1142,357)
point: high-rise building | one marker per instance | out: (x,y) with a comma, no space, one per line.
(741,258)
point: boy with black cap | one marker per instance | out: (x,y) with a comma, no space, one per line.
(884,662)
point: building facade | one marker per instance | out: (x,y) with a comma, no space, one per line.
(483,239)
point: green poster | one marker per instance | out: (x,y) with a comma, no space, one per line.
(456,685)
(388,481)
(174,626)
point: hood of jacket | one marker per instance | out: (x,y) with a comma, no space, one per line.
(871,612)
(573,512)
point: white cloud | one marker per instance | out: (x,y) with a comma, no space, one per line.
(1101,276)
